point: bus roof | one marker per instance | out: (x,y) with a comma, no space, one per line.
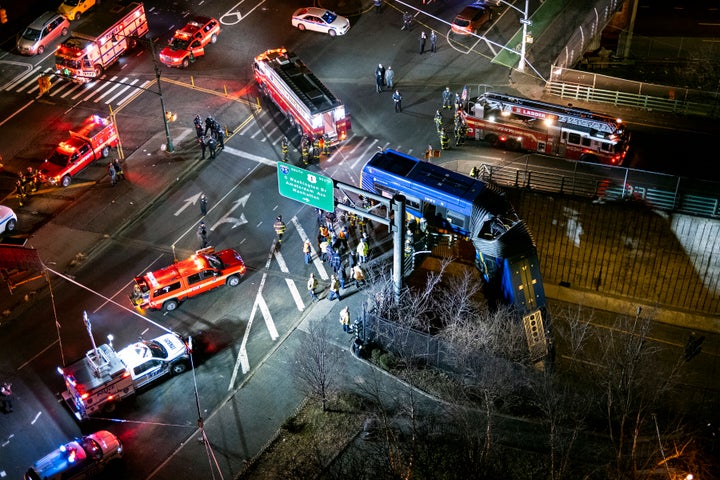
(427,174)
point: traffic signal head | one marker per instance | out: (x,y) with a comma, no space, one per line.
(3,15)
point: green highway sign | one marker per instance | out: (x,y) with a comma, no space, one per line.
(307,187)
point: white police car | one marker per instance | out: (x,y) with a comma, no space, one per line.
(8,219)
(320,20)
(78,459)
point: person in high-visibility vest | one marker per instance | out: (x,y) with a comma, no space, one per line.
(444,140)
(438,121)
(317,148)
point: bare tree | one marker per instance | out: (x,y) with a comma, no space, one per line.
(316,363)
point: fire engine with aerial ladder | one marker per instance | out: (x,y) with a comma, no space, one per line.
(523,124)
(306,102)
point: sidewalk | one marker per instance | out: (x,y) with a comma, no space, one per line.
(237,434)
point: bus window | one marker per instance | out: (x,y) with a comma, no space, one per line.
(456,220)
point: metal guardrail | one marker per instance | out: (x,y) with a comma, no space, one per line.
(633,100)
(658,191)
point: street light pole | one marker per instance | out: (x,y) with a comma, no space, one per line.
(169,147)
(525,22)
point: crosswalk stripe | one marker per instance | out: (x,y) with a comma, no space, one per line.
(125,89)
(32,81)
(100,88)
(109,91)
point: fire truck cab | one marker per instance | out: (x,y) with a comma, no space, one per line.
(309,105)
(94,46)
(91,141)
(205,270)
(189,42)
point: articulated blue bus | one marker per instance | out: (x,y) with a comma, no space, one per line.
(447,200)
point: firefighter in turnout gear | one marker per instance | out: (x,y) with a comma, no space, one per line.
(438,121)
(326,144)
(279,227)
(444,140)
(305,150)
(284,148)
(317,148)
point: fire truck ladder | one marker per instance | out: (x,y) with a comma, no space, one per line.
(304,83)
(567,115)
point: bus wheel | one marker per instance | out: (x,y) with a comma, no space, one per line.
(492,139)
(170,305)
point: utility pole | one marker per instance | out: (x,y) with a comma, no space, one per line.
(170,148)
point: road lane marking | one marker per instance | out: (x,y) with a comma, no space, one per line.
(268,318)
(316,258)
(295,294)
(16,112)
(250,156)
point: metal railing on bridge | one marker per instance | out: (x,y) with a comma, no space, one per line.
(659,191)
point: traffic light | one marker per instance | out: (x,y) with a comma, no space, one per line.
(3,15)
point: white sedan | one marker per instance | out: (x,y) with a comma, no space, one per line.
(320,20)
(8,219)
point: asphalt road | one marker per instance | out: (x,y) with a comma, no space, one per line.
(141,224)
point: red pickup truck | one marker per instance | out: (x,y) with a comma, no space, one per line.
(92,140)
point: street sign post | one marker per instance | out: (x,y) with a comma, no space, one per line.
(307,187)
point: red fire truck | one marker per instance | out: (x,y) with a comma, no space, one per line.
(96,45)
(529,125)
(90,141)
(301,96)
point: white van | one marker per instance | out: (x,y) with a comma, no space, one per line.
(39,34)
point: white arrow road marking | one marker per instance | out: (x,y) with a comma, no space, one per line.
(316,259)
(235,221)
(242,360)
(188,201)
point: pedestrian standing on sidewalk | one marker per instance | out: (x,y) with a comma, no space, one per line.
(311,286)
(118,169)
(203,204)
(433,41)
(423,38)
(378,5)
(389,77)
(334,288)
(345,319)
(112,173)
(397,100)
(307,252)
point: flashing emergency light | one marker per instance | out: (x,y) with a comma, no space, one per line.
(505,113)
(548,122)
(72,456)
